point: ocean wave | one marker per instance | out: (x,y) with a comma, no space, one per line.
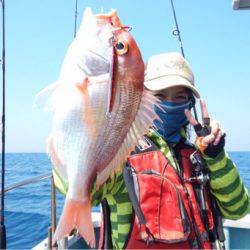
(25,230)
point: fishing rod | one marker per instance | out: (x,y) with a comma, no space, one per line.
(200,174)
(76,12)
(177,33)
(2,227)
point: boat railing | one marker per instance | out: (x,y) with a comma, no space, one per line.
(52,228)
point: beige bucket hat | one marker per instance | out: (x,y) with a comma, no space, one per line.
(169,70)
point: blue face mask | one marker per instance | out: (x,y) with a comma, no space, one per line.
(173,120)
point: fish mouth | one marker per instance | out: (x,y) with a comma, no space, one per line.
(110,17)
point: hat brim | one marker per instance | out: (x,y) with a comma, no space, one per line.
(165,82)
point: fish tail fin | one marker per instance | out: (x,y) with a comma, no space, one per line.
(76,214)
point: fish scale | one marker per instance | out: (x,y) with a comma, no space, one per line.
(114,132)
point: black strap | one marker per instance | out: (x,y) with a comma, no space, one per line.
(107,239)
(218,224)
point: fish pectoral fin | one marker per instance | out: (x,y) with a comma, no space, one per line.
(44,98)
(83,86)
(76,214)
(88,114)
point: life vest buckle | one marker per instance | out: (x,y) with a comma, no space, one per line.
(150,239)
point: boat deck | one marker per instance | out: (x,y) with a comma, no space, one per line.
(237,235)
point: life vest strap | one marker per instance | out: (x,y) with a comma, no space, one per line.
(128,179)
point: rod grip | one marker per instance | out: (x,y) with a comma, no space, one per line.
(2,236)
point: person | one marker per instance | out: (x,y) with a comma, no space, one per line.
(171,194)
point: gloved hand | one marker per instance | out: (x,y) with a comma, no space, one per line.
(210,137)
(211,150)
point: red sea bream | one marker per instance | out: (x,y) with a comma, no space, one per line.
(100,110)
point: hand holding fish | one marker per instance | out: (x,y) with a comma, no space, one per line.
(214,133)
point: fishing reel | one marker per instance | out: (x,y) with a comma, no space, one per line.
(199,177)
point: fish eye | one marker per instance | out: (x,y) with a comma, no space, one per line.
(121,48)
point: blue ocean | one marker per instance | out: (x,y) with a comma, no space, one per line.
(28,209)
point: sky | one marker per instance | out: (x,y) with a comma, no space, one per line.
(216,41)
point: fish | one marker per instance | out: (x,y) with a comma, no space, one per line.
(101,110)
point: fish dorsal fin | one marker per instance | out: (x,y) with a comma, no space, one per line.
(45,98)
(88,22)
(143,120)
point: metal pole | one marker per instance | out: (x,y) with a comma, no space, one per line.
(27,182)
(3,230)
(53,206)
(50,238)
(75,18)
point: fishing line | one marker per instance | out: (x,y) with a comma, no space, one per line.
(176,32)
(76,13)
(2,228)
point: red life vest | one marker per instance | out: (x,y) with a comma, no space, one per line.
(169,204)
